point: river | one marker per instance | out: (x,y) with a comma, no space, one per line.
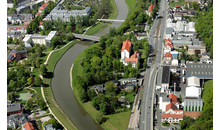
(60,83)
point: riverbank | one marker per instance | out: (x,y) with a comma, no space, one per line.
(58,112)
(117,121)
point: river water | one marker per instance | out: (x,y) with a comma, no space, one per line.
(60,83)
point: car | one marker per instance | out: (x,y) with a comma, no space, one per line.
(37,113)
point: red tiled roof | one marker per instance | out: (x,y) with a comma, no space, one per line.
(168,55)
(41,23)
(126,45)
(170,106)
(38,13)
(172,115)
(173,97)
(28,126)
(169,44)
(192,114)
(177,5)
(16,27)
(44,6)
(134,58)
(151,8)
(168,40)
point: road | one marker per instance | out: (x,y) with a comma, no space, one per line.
(146,120)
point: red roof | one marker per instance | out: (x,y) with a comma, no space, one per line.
(173,97)
(168,40)
(16,27)
(151,8)
(44,6)
(192,114)
(177,5)
(170,106)
(38,13)
(126,45)
(41,23)
(168,55)
(169,44)
(134,58)
(172,115)
(28,126)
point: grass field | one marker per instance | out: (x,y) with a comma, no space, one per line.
(131,6)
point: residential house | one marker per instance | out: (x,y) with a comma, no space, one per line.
(18,35)
(28,126)
(127,83)
(98,88)
(193,49)
(23,2)
(49,127)
(205,58)
(43,7)
(150,10)
(17,55)
(17,120)
(14,109)
(10,3)
(167,58)
(19,28)
(169,32)
(175,60)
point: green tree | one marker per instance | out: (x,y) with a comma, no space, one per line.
(91,94)
(11,96)
(30,104)
(42,105)
(103,108)
(43,70)
(37,62)
(9,41)
(15,41)
(83,95)
(109,87)
(37,80)
(99,118)
(112,31)
(29,80)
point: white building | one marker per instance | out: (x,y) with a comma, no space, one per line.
(30,40)
(193,81)
(126,49)
(193,92)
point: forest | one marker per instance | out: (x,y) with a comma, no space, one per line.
(204,27)
(101,64)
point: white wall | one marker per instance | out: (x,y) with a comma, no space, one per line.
(40,41)
(125,54)
(175,62)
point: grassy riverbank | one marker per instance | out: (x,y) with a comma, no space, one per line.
(117,121)
(100,25)
(131,6)
(54,58)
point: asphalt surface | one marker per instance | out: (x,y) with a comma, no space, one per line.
(60,82)
(146,120)
(122,15)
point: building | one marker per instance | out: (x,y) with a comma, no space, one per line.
(133,59)
(172,113)
(98,89)
(165,79)
(43,7)
(193,49)
(10,3)
(28,126)
(150,10)
(167,58)
(17,55)
(175,60)
(16,120)
(193,104)
(193,92)
(202,71)
(49,127)
(64,15)
(20,28)
(169,32)
(128,80)
(126,49)
(193,81)
(181,43)
(125,54)
(14,109)
(30,39)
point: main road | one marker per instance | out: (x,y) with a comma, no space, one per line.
(146,120)
(60,82)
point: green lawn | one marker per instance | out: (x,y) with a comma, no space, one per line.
(43,57)
(131,6)
(206,85)
(38,89)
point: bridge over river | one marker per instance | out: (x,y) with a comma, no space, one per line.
(60,83)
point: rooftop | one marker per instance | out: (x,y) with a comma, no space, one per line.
(126,45)
(170,106)
(169,30)
(192,114)
(199,70)
(172,115)
(28,126)
(13,107)
(151,8)
(168,54)
(166,74)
